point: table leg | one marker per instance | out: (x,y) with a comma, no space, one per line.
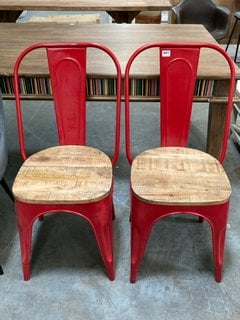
(123,16)
(9,16)
(216,118)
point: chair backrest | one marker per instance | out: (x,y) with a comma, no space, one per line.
(215,18)
(67,63)
(192,11)
(178,71)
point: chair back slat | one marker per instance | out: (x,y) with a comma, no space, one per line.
(67,68)
(178,70)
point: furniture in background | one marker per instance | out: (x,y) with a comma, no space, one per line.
(232,5)
(237,19)
(148,17)
(3,155)
(212,78)
(173,178)
(68,18)
(121,11)
(215,18)
(79,178)
(3,151)
(9,16)
(235,125)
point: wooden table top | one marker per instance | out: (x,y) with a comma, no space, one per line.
(123,39)
(86,5)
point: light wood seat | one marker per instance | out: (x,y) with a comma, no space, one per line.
(63,175)
(179,176)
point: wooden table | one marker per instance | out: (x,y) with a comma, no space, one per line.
(123,39)
(120,11)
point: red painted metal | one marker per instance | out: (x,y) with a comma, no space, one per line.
(175,111)
(68,65)
(67,68)
(145,215)
(175,99)
(98,214)
(178,69)
(73,129)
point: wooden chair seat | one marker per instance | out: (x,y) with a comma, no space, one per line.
(64,175)
(179,176)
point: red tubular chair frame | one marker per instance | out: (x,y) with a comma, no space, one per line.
(63,45)
(100,213)
(144,215)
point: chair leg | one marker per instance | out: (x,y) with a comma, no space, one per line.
(25,235)
(104,235)
(139,238)
(230,37)
(140,231)
(113,211)
(25,221)
(7,189)
(219,227)
(236,52)
(218,245)
(1,271)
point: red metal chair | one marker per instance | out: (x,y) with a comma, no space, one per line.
(173,178)
(71,177)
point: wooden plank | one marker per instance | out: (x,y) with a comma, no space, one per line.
(86,5)
(67,18)
(120,11)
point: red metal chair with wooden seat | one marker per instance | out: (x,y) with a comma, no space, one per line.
(173,178)
(71,177)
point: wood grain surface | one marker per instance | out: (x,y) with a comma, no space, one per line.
(122,39)
(179,176)
(64,174)
(86,5)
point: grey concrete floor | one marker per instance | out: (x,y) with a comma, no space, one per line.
(68,279)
